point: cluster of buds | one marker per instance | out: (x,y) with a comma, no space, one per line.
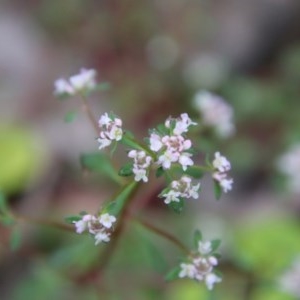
(172,147)
(182,188)
(100,227)
(200,265)
(141,164)
(215,112)
(111,130)
(80,83)
(222,166)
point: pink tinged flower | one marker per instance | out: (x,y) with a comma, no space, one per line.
(84,80)
(187,270)
(211,279)
(225,182)
(183,124)
(155,142)
(204,247)
(115,133)
(212,260)
(221,163)
(185,160)
(102,236)
(167,158)
(103,143)
(104,120)
(83,224)
(107,220)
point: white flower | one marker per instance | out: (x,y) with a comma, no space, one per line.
(141,164)
(171,196)
(167,158)
(215,112)
(61,87)
(185,160)
(84,81)
(140,174)
(204,247)
(221,163)
(155,142)
(225,182)
(111,130)
(211,279)
(181,124)
(84,223)
(107,220)
(187,270)
(102,236)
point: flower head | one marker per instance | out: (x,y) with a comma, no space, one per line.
(141,164)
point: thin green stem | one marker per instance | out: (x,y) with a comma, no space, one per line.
(86,108)
(163,234)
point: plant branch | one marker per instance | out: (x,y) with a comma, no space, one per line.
(86,108)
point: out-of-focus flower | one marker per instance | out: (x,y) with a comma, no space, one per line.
(141,164)
(182,188)
(100,227)
(215,113)
(111,130)
(289,164)
(83,82)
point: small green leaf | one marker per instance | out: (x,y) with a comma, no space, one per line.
(103,86)
(109,208)
(173,274)
(217,190)
(195,172)
(70,116)
(215,244)
(100,163)
(15,239)
(127,140)
(72,219)
(83,213)
(126,170)
(177,206)
(159,172)
(197,238)
(161,128)
(7,220)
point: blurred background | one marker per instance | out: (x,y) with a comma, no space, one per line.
(156,55)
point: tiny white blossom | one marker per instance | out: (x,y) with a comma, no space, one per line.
(103,143)
(61,86)
(140,174)
(211,279)
(171,196)
(84,80)
(84,223)
(221,163)
(155,142)
(204,247)
(102,236)
(167,158)
(185,160)
(187,270)
(107,220)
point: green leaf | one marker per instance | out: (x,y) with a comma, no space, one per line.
(72,219)
(161,128)
(7,220)
(197,238)
(177,206)
(195,172)
(15,239)
(215,244)
(159,172)
(126,170)
(217,190)
(129,141)
(70,116)
(103,86)
(122,198)
(173,274)
(100,163)
(109,208)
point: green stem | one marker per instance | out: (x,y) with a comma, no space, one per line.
(163,234)
(86,108)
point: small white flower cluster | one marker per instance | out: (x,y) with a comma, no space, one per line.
(111,130)
(289,164)
(173,148)
(182,188)
(289,282)
(200,266)
(141,164)
(83,82)
(215,113)
(100,227)
(222,166)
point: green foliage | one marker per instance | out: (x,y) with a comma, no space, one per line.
(173,274)
(215,244)
(126,170)
(159,172)
(217,190)
(15,238)
(100,163)
(72,219)
(197,238)
(177,206)
(70,116)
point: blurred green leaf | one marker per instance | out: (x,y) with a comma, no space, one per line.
(70,116)
(72,219)
(3,204)
(103,86)
(215,244)
(100,163)
(15,238)
(197,238)
(217,190)
(159,172)
(129,141)
(177,206)
(126,170)
(173,274)
(195,172)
